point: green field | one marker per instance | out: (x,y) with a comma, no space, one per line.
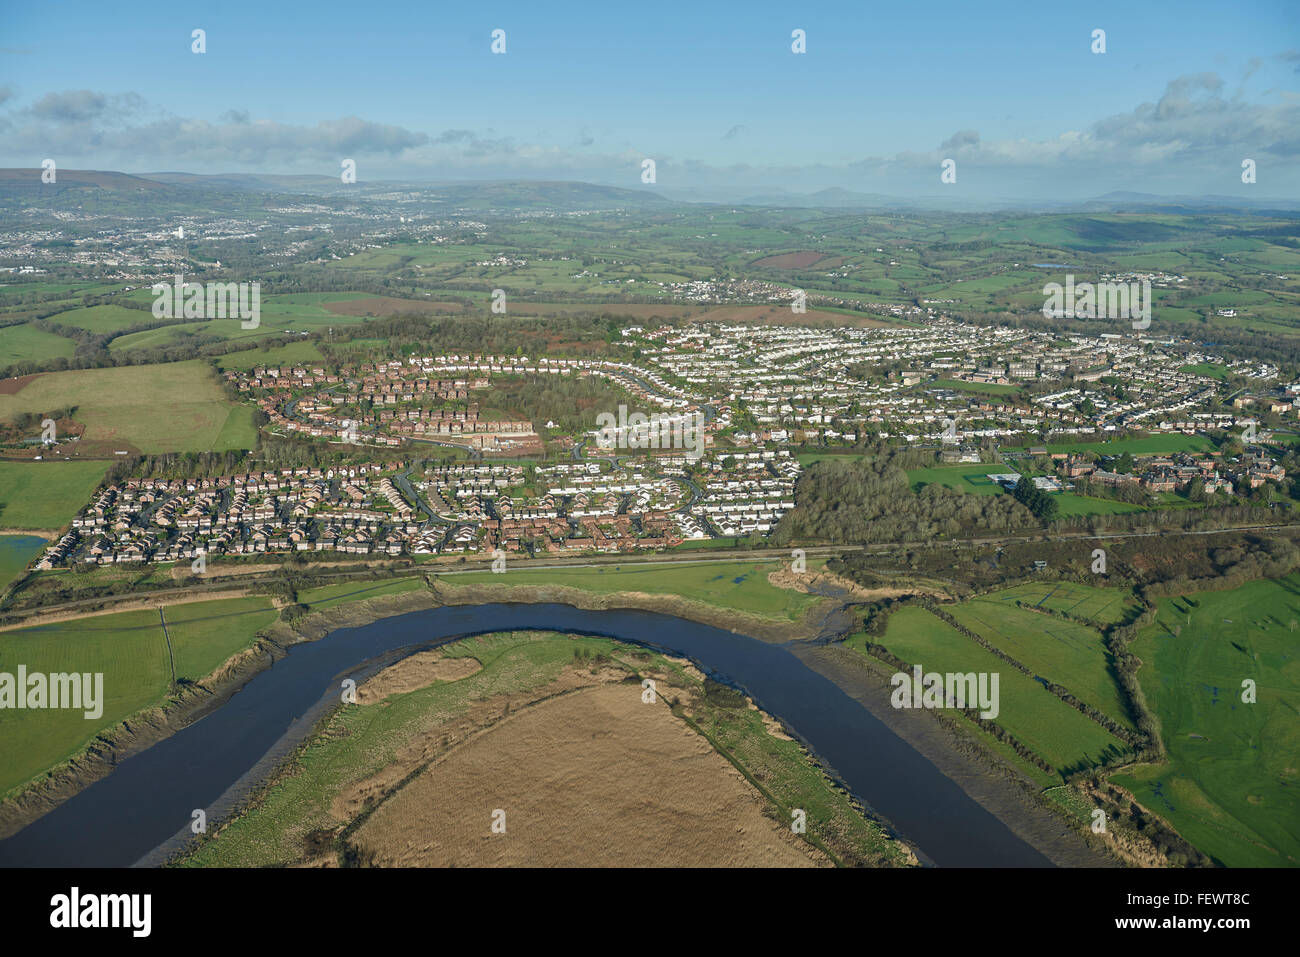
(1071,503)
(279,314)
(962,478)
(103,319)
(170,335)
(1143,445)
(1211,369)
(1058,733)
(27,343)
(173,407)
(127,648)
(327,596)
(205,634)
(1105,605)
(252,358)
(130,649)
(739,585)
(1230,784)
(10,291)
(1064,652)
(45,495)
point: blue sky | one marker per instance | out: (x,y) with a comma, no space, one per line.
(1011,91)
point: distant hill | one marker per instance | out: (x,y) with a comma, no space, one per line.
(1122,199)
(77,178)
(481,195)
(532,195)
(106,191)
(112,189)
(250,182)
(832,198)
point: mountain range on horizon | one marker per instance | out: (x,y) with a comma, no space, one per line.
(575,194)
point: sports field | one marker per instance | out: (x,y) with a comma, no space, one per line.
(1104,605)
(1212,369)
(962,478)
(1071,503)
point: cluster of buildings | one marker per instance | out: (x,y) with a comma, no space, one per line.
(357,510)
(948,381)
(1175,473)
(758,390)
(395,508)
(387,404)
(429,399)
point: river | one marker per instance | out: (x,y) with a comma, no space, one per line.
(142,810)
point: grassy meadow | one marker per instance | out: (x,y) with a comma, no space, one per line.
(173,407)
(45,495)
(739,585)
(1230,783)
(1049,727)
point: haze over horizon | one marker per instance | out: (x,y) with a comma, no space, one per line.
(721,104)
(828,198)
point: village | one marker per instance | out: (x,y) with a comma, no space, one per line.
(762,395)
(405,508)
